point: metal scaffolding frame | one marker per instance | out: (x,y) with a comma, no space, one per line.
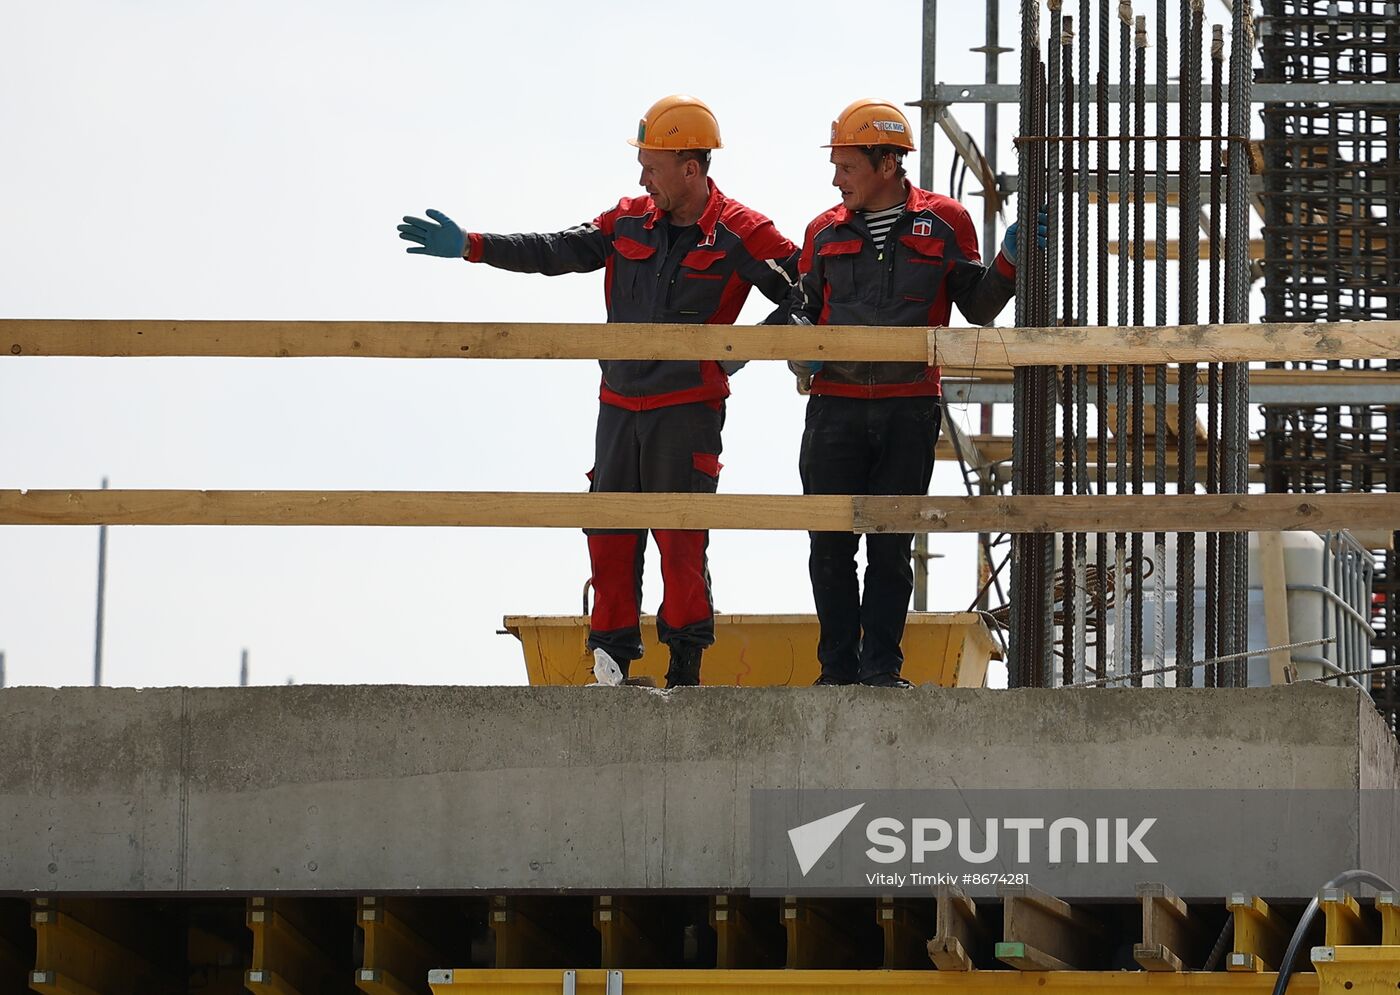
(1332,253)
(1068,592)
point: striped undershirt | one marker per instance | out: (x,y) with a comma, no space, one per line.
(880,223)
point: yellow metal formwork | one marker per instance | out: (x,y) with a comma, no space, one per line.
(949,649)
(1359,970)
(596,982)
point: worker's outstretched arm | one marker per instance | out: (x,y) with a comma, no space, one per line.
(580,249)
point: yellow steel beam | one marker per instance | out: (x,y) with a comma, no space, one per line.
(684,982)
(1356,970)
(747,931)
(396,959)
(286,961)
(819,935)
(1261,935)
(1388,905)
(50,982)
(835,513)
(13,964)
(907,924)
(533,931)
(973,347)
(96,954)
(1346,924)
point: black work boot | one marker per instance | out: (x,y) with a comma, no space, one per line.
(885,681)
(684,670)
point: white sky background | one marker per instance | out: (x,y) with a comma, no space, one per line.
(194,159)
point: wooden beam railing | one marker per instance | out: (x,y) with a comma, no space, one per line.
(969,348)
(833,513)
(954,347)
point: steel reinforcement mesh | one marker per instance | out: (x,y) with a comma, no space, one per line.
(1331,197)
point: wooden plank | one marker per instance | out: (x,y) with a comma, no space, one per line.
(1275,603)
(991,373)
(1025,957)
(427,508)
(1127,513)
(997,449)
(1042,933)
(1170,940)
(977,347)
(456,340)
(834,513)
(970,347)
(958,935)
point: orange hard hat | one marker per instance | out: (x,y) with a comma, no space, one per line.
(871,122)
(677,123)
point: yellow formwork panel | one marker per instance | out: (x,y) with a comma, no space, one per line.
(1356,970)
(949,649)
(595,982)
(91,956)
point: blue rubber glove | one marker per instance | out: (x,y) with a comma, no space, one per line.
(1042,234)
(441,239)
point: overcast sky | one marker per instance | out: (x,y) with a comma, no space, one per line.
(191,159)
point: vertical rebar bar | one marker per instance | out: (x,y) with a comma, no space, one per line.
(1077,617)
(1102,319)
(1139,294)
(1017,675)
(1066,312)
(1235,579)
(1211,676)
(1120,427)
(1189,201)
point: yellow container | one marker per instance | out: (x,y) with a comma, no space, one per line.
(949,649)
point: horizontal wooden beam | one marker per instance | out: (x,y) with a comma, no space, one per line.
(457,340)
(487,509)
(823,513)
(1257,378)
(1090,345)
(955,347)
(1129,513)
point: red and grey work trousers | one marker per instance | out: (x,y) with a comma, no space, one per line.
(674,449)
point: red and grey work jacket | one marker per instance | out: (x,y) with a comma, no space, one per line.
(929,262)
(704,279)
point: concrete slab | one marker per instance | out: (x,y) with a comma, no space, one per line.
(394,788)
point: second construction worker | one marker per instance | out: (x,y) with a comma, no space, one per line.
(683,253)
(888,254)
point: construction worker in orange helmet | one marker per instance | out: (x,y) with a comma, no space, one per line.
(681,253)
(887,254)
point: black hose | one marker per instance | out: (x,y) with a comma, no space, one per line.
(1285,970)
